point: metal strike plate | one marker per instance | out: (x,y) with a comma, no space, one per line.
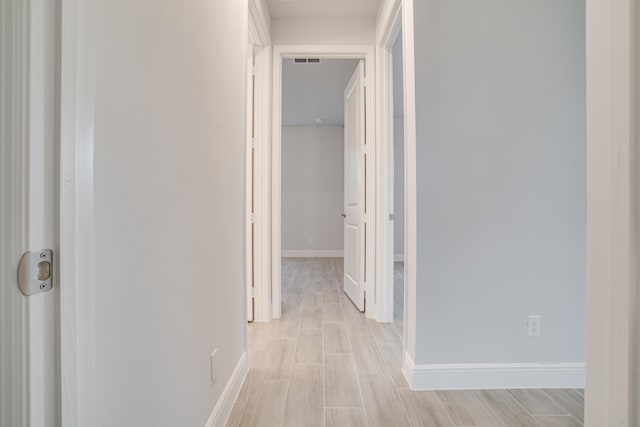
(35,272)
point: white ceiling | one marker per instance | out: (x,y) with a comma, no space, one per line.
(315,91)
(323,8)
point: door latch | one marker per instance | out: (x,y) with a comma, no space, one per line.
(35,272)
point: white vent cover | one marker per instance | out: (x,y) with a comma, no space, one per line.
(306,60)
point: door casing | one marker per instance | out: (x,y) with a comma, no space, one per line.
(394,15)
(76,192)
(367,53)
(30,386)
(259,253)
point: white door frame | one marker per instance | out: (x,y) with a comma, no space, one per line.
(77,83)
(249,179)
(30,387)
(612,214)
(324,52)
(389,25)
(394,15)
(259,36)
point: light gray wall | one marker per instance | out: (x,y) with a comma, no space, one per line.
(636,110)
(313,91)
(398,95)
(398,186)
(398,148)
(312,188)
(500,101)
(169,154)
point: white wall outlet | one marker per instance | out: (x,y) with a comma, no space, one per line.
(213,365)
(533,326)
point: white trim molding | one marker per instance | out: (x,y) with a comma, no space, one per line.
(485,376)
(223,408)
(612,238)
(259,172)
(389,22)
(393,16)
(337,253)
(15,393)
(260,22)
(396,15)
(77,87)
(410,174)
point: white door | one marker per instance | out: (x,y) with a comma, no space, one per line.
(28,362)
(354,188)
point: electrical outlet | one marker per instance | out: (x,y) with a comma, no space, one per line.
(533,326)
(213,365)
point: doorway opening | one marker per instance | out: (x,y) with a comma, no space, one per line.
(357,241)
(314,172)
(397,165)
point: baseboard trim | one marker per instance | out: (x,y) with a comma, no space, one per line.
(479,376)
(338,253)
(398,257)
(222,410)
(407,369)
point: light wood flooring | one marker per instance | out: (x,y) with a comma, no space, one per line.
(324,364)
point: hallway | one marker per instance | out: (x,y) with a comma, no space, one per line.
(324,363)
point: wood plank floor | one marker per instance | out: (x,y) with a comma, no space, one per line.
(324,364)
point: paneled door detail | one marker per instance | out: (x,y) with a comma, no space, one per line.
(354,188)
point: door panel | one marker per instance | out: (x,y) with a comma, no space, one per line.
(354,182)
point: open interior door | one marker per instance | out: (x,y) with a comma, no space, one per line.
(354,188)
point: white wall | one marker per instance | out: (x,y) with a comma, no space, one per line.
(330,31)
(500,102)
(313,91)
(312,188)
(169,208)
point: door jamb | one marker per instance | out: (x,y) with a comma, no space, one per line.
(389,28)
(259,34)
(396,14)
(77,84)
(612,226)
(324,52)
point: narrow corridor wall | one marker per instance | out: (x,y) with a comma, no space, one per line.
(169,208)
(501,180)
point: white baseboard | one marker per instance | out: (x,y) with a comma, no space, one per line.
(338,253)
(478,376)
(231,391)
(407,369)
(398,257)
